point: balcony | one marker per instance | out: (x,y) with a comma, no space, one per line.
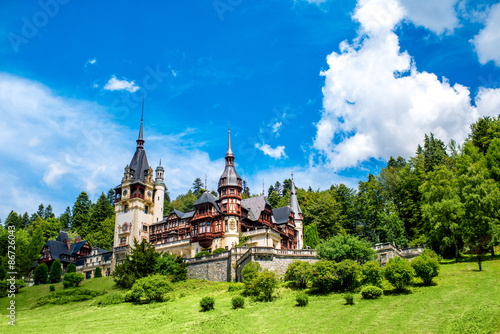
(137,196)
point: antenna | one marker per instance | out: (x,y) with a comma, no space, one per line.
(206,187)
(263,191)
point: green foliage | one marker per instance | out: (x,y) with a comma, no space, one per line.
(218,251)
(55,272)
(40,276)
(399,273)
(202,253)
(139,263)
(111,298)
(324,212)
(346,247)
(371,292)
(69,296)
(207,304)
(3,272)
(238,302)
(98,272)
(150,288)
(323,277)
(347,275)
(72,279)
(81,214)
(235,287)
(299,272)
(426,266)
(52,288)
(71,268)
(372,274)
(302,299)
(172,266)
(249,272)
(262,286)
(349,298)
(311,237)
(6,286)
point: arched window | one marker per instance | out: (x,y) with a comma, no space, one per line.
(126,208)
(123,240)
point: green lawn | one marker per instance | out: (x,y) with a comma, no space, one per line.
(464,300)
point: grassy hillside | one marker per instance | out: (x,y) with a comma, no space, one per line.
(464,300)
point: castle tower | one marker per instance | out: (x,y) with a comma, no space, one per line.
(159,194)
(294,205)
(230,199)
(134,201)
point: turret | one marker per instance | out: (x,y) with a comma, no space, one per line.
(159,194)
(298,220)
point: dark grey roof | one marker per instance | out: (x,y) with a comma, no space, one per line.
(100,250)
(207,198)
(230,175)
(180,214)
(188,215)
(63,236)
(294,202)
(76,246)
(58,248)
(281,214)
(255,205)
(139,164)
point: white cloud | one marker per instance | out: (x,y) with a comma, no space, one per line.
(277,126)
(275,153)
(116,84)
(317,2)
(376,103)
(488,101)
(487,42)
(90,62)
(438,16)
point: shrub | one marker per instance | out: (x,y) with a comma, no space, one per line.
(302,299)
(346,247)
(202,253)
(207,304)
(329,276)
(372,274)
(218,251)
(52,288)
(426,266)
(262,286)
(235,287)
(3,272)
(172,266)
(98,272)
(250,270)
(67,296)
(6,286)
(55,272)
(299,272)
(371,292)
(41,274)
(323,276)
(399,273)
(72,279)
(148,289)
(71,268)
(238,302)
(110,299)
(349,299)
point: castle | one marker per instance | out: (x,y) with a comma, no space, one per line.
(215,222)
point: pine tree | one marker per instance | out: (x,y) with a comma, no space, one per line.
(41,211)
(41,274)
(48,213)
(278,188)
(111,197)
(100,212)
(197,187)
(13,219)
(81,214)
(98,272)
(65,219)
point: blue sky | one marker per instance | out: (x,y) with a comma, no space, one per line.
(328,88)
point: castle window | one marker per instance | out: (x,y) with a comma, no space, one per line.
(126,209)
(226,226)
(144,228)
(224,192)
(208,227)
(123,241)
(232,191)
(146,209)
(202,227)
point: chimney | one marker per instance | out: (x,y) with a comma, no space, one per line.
(78,239)
(68,243)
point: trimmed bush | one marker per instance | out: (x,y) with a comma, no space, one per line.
(349,299)
(52,288)
(97,273)
(207,304)
(371,292)
(41,272)
(329,276)
(72,279)
(323,276)
(426,266)
(148,289)
(238,302)
(218,251)
(262,286)
(399,273)
(55,272)
(71,268)
(372,274)
(250,270)
(347,273)
(202,253)
(299,272)
(111,298)
(302,299)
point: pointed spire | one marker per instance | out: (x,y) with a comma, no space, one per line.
(229,150)
(140,141)
(294,202)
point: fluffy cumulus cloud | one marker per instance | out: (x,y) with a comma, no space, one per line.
(438,16)
(487,42)
(276,153)
(116,84)
(377,104)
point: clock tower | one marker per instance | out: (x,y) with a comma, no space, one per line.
(230,199)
